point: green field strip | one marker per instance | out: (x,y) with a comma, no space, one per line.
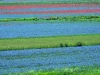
(49,42)
(83,70)
(53,18)
(52,2)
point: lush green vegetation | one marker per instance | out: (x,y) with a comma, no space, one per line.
(49,42)
(54,2)
(68,18)
(86,70)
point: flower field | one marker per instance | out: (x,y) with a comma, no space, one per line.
(7,30)
(49,37)
(48,59)
(48,10)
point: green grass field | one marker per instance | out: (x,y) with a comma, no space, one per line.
(85,70)
(49,42)
(52,2)
(67,18)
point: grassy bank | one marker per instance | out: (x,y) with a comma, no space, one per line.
(86,70)
(49,42)
(68,18)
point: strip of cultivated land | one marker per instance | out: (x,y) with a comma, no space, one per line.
(49,42)
(55,12)
(84,70)
(13,7)
(67,18)
(54,2)
(43,5)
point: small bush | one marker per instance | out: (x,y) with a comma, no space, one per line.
(61,45)
(79,44)
(66,45)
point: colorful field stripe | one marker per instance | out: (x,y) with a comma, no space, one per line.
(53,12)
(13,7)
(34,10)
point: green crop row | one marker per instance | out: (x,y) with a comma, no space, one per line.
(84,70)
(52,2)
(49,42)
(67,18)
